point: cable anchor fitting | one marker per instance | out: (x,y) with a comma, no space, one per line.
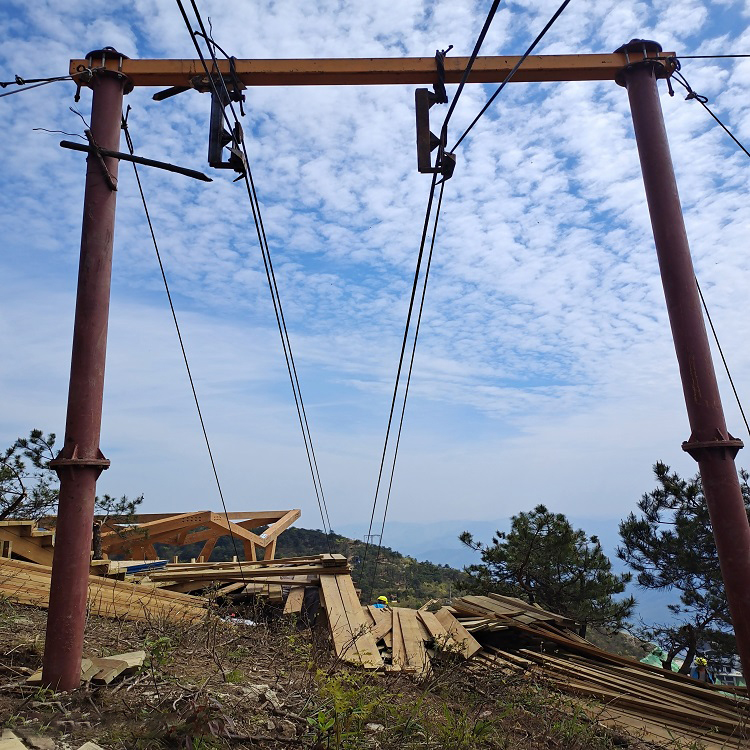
(427,141)
(218,137)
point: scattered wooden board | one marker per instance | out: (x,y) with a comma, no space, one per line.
(467,643)
(352,640)
(294,600)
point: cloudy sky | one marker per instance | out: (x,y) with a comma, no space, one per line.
(545,370)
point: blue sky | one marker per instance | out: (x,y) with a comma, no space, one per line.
(545,370)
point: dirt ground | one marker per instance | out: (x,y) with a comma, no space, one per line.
(272,685)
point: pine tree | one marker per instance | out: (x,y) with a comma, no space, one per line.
(545,561)
(671,547)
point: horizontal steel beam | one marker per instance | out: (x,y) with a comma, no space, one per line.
(375,71)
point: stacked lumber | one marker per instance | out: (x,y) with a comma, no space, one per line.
(290,571)
(25,540)
(637,698)
(29,583)
(408,639)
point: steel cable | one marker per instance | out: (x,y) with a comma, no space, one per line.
(723,358)
(129,142)
(268,265)
(510,75)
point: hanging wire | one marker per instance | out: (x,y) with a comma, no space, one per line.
(265,252)
(373,577)
(425,227)
(37,82)
(510,75)
(702,100)
(710,57)
(407,328)
(129,141)
(723,358)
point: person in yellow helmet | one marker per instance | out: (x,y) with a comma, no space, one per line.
(382,603)
(700,670)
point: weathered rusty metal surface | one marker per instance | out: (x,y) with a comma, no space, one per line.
(80,461)
(710,443)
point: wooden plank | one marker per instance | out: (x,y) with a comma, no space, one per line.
(10,741)
(434,627)
(383,621)
(294,600)
(117,665)
(36,677)
(29,583)
(416,654)
(398,650)
(27,547)
(351,638)
(467,644)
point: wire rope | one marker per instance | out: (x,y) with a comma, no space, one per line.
(702,100)
(408,383)
(129,142)
(407,328)
(268,264)
(723,358)
(276,299)
(510,75)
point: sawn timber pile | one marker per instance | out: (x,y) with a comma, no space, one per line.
(28,583)
(618,692)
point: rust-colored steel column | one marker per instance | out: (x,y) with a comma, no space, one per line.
(710,443)
(80,462)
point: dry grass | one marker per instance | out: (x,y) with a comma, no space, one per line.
(220,685)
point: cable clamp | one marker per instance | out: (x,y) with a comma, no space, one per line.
(427,141)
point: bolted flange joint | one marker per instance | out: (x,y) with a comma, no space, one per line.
(700,449)
(75,462)
(643,53)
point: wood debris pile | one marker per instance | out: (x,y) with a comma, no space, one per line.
(28,583)
(620,693)
(496,632)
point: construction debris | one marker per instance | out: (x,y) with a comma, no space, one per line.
(26,540)
(28,583)
(11,741)
(494,631)
(638,698)
(101,671)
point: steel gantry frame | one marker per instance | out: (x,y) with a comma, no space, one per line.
(636,66)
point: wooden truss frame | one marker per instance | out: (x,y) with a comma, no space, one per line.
(135,540)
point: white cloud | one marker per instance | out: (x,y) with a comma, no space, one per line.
(545,347)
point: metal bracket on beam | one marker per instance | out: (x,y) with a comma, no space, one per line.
(219,138)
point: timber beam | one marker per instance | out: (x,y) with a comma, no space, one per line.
(379,71)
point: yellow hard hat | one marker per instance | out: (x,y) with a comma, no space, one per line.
(700,662)
(383,599)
